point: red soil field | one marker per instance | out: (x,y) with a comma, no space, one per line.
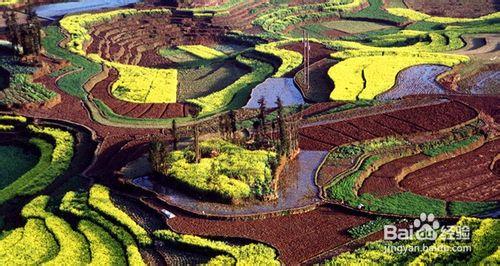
(297,237)
(455,8)
(464,178)
(382,183)
(409,121)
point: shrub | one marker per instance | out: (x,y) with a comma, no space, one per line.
(202,51)
(235,173)
(99,198)
(236,94)
(36,246)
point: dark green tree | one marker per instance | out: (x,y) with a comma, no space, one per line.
(175,138)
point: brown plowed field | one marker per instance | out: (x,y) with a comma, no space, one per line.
(464,178)
(409,121)
(382,183)
(170,110)
(455,8)
(318,52)
(297,237)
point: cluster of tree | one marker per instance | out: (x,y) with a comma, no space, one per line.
(25,38)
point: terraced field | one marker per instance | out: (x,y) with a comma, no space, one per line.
(212,132)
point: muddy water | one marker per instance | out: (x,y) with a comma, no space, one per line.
(486,83)
(416,80)
(297,189)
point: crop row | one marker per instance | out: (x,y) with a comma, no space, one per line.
(142,85)
(419,16)
(22,90)
(368,76)
(278,19)
(289,59)
(251,254)
(483,241)
(236,94)
(100,200)
(202,51)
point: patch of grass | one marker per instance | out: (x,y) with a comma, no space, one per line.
(459,208)
(353,26)
(14,162)
(376,11)
(369,227)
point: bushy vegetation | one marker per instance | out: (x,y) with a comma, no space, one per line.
(99,199)
(37,245)
(251,254)
(236,94)
(369,227)
(289,59)
(226,170)
(9,119)
(484,242)
(202,51)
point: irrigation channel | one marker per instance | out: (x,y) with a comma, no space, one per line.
(297,189)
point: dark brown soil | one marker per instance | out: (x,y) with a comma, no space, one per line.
(297,237)
(464,178)
(455,8)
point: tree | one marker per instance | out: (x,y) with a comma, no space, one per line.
(284,143)
(174,135)
(232,123)
(196,143)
